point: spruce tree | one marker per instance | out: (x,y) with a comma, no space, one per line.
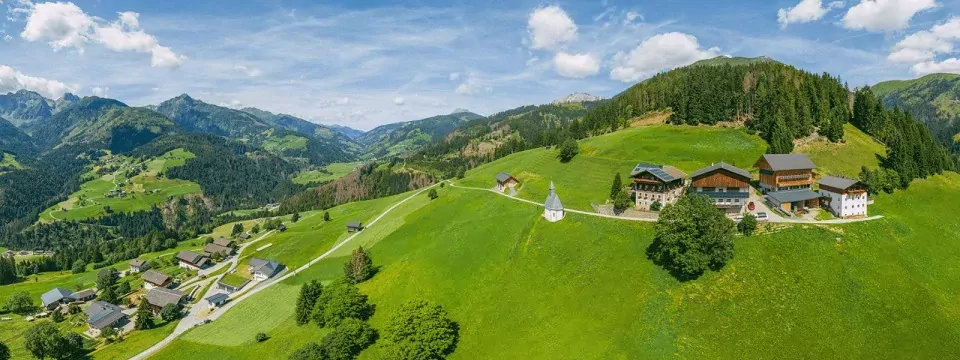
(309,293)
(144,316)
(359,268)
(617,186)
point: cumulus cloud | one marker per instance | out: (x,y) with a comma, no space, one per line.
(233,104)
(922,48)
(249,71)
(884,15)
(454,76)
(343,100)
(550,27)
(472,85)
(631,16)
(65,25)
(7,37)
(804,12)
(398,101)
(576,66)
(100,91)
(13,80)
(657,53)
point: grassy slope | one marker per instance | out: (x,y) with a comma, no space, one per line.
(135,342)
(337,170)
(858,149)
(140,195)
(588,177)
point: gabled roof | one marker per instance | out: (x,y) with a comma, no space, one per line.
(788,196)
(719,166)
(190,256)
(83,294)
(222,241)
(244,236)
(155,277)
(503,177)
(212,248)
(103,314)
(163,296)
(665,173)
(553,201)
(54,295)
(216,298)
(779,162)
(263,266)
(837,182)
(137,262)
(354,224)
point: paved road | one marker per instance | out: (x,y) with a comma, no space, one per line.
(773,217)
(191,319)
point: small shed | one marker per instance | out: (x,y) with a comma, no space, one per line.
(282,227)
(354,226)
(505,180)
(217,300)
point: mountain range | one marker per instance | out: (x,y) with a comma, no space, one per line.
(396,138)
(933,100)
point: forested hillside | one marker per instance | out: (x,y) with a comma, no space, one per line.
(325,134)
(100,124)
(368,182)
(397,138)
(14,141)
(779,101)
(933,100)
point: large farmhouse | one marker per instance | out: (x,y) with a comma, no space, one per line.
(101,315)
(727,185)
(191,260)
(847,198)
(787,178)
(159,297)
(653,183)
(152,278)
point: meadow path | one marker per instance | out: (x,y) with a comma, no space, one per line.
(188,322)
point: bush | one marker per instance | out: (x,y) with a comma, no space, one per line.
(57,316)
(622,201)
(170,312)
(691,237)
(310,351)
(748,225)
(432,194)
(420,330)
(568,150)
(79,266)
(295,217)
(261,337)
(20,303)
(348,340)
(656,206)
(326,216)
(4,352)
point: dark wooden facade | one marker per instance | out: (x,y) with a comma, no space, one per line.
(721,178)
(801,178)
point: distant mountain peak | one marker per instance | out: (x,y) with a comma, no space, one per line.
(459,111)
(70,97)
(577,98)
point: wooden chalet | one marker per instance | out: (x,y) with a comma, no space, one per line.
(654,183)
(505,181)
(727,185)
(787,179)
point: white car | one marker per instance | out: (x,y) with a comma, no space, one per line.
(738,218)
(762,216)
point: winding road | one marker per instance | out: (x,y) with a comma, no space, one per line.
(191,319)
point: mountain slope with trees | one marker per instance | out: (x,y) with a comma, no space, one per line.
(14,141)
(396,138)
(933,100)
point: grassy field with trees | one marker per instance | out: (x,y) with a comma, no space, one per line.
(328,173)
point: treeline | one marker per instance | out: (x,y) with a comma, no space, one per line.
(779,101)
(912,152)
(232,174)
(371,181)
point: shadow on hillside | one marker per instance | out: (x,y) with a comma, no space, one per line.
(657,254)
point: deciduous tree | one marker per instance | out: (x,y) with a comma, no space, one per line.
(20,303)
(360,267)
(348,340)
(420,330)
(568,150)
(692,236)
(747,225)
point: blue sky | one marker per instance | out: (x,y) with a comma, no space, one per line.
(366,63)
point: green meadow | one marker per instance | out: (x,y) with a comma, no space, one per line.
(147,188)
(845,158)
(336,171)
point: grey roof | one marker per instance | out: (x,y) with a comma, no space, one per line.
(553,201)
(103,314)
(83,294)
(245,236)
(665,173)
(163,296)
(721,165)
(217,298)
(780,162)
(137,262)
(789,196)
(502,176)
(222,241)
(264,266)
(354,224)
(837,182)
(155,277)
(190,256)
(214,248)
(54,295)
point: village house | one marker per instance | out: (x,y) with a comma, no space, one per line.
(552,207)
(787,179)
(212,248)
(727,185)
(55,297)
(159,297)
(153,279)
(244,236)
(505,181)
(101,315)
(191,260)
(846,198)
(354,226)
(217,300)
(84,296)
(222,241)
(654,183)
(138,266)
(262,269)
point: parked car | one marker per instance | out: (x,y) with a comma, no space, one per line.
(738,218)
(762,216)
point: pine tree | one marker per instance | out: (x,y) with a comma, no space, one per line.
(295,217)
(360,267)
(144,316)
(309,293)
(617,186)
(326,216)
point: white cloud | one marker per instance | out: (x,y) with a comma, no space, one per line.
(454,76)
(951,65)
(65,25)
(13,80)
(100,91)
(472,84)
(233,104)
(343,100)
(805,11)
(398,101)
(631,16)
(249,71)
(884,15)
(550,27)
(657,53)
(576,65)
(532,60)
(922,48)
(7,37)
